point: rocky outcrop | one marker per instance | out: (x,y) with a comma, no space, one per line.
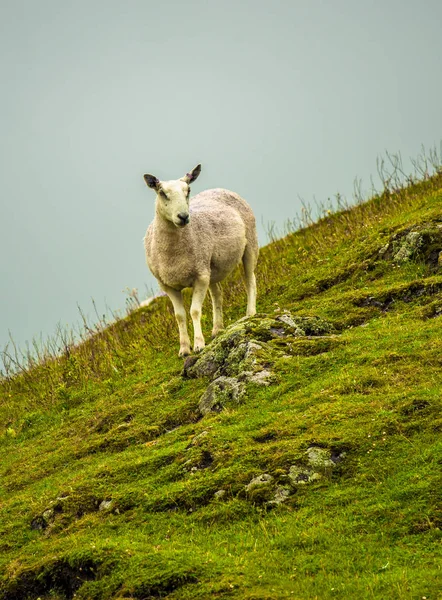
(316,463)
(244,353)
(420,242)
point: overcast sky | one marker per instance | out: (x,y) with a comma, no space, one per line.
(277,99)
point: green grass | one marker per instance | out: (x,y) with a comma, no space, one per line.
(112,419)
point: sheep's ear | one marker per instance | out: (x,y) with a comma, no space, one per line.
(192,175)
(151,181)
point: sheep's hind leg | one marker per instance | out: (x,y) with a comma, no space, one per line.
(180,315)
(216,294)
(199,293)
(249,263)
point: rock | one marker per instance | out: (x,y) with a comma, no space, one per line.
(423,242)
(281,495)
(316,463)
(319,457)
(264,479)
(219,393)
(264,377)
(243,354)
(287,319)
(48,514)
(260,489)
(219,495)
(105,504)
(246,345)
(39,523)
(301,475)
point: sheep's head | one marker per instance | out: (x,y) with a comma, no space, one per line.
(173,196)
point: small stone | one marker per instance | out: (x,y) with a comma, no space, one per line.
(319,457)
(281,495)
(39,523)
(219,494)
(287,319)
(263,377)
(105,504)
(302,475)
(253,347)
(384,250)
(48,514)
(264,479)
(219,393)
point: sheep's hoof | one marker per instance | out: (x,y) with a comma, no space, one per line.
(215,332)
(184,351)
(198,346)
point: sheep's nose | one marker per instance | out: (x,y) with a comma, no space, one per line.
(184,218)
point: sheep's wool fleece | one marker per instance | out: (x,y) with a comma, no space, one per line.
(211,245)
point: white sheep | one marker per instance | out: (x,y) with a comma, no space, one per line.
(196,242)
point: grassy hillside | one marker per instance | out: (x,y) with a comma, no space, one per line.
(113,485)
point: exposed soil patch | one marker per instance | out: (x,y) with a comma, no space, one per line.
(265,437)
(58,577)
(407,293)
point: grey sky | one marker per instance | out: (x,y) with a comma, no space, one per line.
(276,99)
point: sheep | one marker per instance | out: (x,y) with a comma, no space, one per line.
(197,242)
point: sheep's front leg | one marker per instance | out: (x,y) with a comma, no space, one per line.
(216,293)
(180,315)
(199,293)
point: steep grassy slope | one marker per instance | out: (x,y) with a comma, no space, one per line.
(109,474)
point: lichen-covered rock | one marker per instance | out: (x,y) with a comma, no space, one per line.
(246,345)
(244,353)
(319,457)
(315,464)
(421,242)
(261,480)
(105,504)
(281,495)
(260,489)
(300,475)
(264,377)
(39,523)
(220,393)
(48,514)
